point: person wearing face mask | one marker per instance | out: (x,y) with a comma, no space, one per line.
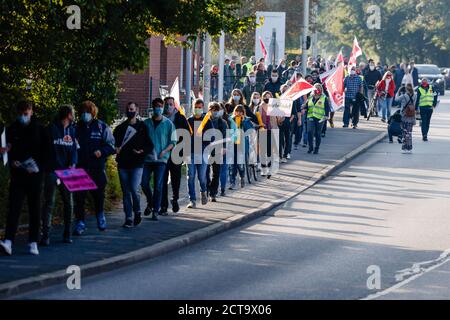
(238,166)
(270,123)
(426,102)
(274,84)
(198,164)
(236,99)
(162,133)
(130,162)
(214,84)
(174,169)
(255,100)
(281,68)
(96,144)
(317,110)
(62,155)
(213,171)
(371,77)
(228,78)
(407,98)
(251,86)
(26,140)
(352,85)
(386,92)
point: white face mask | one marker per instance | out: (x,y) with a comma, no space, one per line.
(274,79)
(372,67)
(252,79)
(256,101)
(353,72)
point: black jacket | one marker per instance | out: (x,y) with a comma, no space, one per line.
(94,136)
(30,141)
(372,77)
(273,87)
(127,158)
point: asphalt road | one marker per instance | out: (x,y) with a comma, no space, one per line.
(385,210)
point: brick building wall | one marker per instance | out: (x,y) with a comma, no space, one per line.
(164,67)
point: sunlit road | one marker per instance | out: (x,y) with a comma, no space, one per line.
(385,209)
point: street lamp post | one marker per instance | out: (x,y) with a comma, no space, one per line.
(206,71)
(221,65)
(305,34)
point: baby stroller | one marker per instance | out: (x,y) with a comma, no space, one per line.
(395,127)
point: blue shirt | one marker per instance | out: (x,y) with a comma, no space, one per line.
(352,84)
(162,137)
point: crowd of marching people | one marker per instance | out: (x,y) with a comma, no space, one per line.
(150,153)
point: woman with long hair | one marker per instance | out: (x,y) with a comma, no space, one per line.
(269,123)
(407,98)
(237,98)
(386,93)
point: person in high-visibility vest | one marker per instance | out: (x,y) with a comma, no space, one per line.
(426,102)
(317,110)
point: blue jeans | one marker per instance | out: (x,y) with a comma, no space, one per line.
(385,108)
(200,169)
(348,104)
(314,131)
(235,168)
(425,116)
(223,174)
(157,170)
(304,129)
(130,180)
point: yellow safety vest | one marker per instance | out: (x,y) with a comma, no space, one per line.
(316,110)
(426,97)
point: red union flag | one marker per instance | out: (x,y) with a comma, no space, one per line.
(335,88)
(339,59)
(298,89)
(356,52)
(263,48)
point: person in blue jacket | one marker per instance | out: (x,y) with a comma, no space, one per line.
(96,144)
(238,164)
(62,155)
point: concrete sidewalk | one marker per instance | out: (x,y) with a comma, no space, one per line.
(96,252)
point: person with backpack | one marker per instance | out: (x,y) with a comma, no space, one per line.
(407,98)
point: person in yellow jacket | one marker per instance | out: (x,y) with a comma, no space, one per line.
(317,109)
(426,102)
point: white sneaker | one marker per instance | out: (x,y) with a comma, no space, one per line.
(6,246)
(33,248)
(264,171)
(283,160)
(405,151)
(289,156)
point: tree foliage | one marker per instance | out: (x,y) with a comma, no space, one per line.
(68,66)
(410,29)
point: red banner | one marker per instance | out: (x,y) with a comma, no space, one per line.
(335,88)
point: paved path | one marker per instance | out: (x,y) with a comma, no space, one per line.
(94,246)
(384,209)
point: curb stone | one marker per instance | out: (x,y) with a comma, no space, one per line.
(59,277)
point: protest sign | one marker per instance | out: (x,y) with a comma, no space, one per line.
(76,180)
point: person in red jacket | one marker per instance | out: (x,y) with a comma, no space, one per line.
(386,93)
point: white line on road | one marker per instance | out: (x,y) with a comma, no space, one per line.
(416,271)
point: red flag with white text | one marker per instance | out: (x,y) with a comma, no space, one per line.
(297,90)
(335,87)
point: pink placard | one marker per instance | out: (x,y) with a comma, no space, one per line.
(76,180)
